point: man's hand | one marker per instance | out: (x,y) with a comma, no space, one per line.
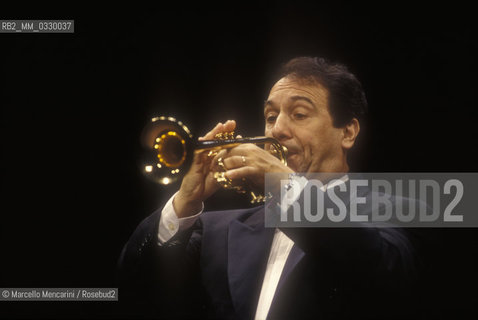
(199,183)
(250,162)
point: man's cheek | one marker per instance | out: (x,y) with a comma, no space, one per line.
(293,163)
(297,162)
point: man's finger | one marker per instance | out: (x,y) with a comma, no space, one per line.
(230,125)
(239,173)
(210,135)
(235,162)
(221,154)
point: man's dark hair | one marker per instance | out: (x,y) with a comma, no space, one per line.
(346,96)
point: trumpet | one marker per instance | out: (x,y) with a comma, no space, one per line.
(170,150)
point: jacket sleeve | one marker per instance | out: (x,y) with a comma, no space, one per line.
(160,279)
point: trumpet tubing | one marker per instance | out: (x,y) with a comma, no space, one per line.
(170,147)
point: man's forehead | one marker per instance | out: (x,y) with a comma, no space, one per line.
(293,88)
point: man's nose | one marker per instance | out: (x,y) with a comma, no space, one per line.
(281,129)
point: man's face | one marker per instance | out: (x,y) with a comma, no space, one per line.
(297,115)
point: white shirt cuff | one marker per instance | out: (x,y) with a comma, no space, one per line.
(170,224)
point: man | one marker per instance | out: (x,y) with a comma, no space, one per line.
(226,264)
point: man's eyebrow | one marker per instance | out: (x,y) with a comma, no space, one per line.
(268,103)
(295,98)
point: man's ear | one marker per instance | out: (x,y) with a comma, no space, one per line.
(350,133)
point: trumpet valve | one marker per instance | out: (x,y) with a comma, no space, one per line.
(227,135)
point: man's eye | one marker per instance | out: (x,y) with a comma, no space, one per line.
(271,119)
(299,116)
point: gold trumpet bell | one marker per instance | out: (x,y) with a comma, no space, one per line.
(170,149)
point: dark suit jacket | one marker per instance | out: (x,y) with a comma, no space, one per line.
(216,268)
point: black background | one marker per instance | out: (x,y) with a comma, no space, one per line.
(73,106)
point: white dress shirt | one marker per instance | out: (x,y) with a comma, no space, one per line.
(170,224)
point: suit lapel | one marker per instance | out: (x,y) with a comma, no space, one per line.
(249,244)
